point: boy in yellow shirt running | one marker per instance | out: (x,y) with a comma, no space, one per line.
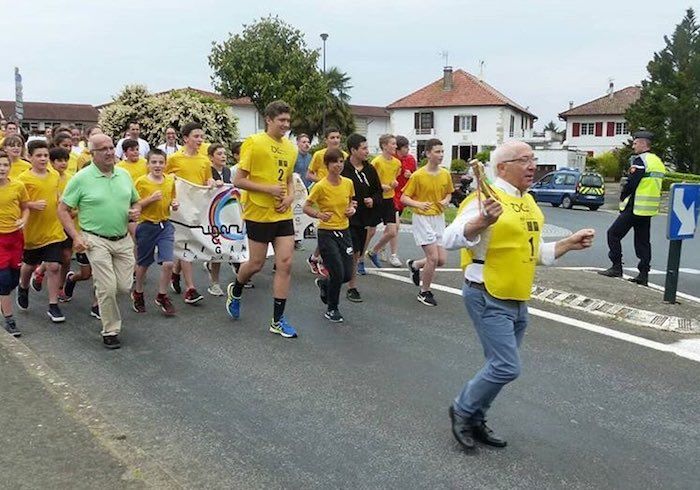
(13,145)
(14,213)
(331,201)
(428,192)
(155,231)
(266,173)
(43,234)
(133,162)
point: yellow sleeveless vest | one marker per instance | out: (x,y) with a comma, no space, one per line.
(647,197)
(511,257)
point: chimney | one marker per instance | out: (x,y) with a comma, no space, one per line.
(611,88)
(447,79)
(571,104)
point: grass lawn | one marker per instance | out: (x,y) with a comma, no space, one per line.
(450,213)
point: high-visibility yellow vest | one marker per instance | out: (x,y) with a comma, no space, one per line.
(647,197)
(512,253)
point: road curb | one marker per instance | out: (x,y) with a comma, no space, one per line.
(141,467)
(617,311)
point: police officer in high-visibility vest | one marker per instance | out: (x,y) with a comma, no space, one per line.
(502,238)
(639,201)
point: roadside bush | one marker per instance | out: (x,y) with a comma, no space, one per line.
(483,156)
(678,178)
(606,164)
(458,166)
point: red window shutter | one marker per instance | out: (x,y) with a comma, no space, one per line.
(599,129)
(473,124)
(456,124)
(416,120)
(611,129)
(576,129)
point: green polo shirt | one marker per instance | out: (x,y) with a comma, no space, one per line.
(103,202)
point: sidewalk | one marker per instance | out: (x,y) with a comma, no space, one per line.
(616,298)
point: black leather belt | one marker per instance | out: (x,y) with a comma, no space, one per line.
(110,238)
(475,285)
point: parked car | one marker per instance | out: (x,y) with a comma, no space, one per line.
(568,187)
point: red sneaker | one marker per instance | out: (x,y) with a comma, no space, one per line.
(165,305)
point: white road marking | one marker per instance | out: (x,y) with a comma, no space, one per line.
(681,349)
(658,287)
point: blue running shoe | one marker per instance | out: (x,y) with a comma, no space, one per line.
(283,328)
(361,268)
(233,304)
(374,257)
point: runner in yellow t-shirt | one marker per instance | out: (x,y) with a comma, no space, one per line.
(43,234)
(331,201)
(265,172)
(155,231)
(133,162)
(190,165)
(13,215)
(428,192)
(388,168)
(317,171)
(13,145)
(63,140)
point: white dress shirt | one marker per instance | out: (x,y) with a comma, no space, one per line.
(169,150)
(144,147)
(453,238)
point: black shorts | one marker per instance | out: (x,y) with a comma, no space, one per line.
(267,232)
(53,252)
(358,234)
(387,211)
(82,259)
(67,243)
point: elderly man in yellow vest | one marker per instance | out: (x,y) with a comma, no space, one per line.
(502,237)
(639,201)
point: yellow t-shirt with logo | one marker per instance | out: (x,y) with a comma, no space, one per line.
(333,199)
(267,161)
(17,167)
(43,227)
(12,195)
(318,167)
(429,187)
(157,211)
(136,169)
(195,169)
(387,170)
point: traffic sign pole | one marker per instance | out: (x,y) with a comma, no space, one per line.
(674,262)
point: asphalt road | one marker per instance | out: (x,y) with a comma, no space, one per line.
(577,218)
(223,404)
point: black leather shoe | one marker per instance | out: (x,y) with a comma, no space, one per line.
(111,341)
(484,434)
(641,279)
(612,272)
(462,430)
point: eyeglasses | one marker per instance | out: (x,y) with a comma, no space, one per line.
(524,160)
(106,148)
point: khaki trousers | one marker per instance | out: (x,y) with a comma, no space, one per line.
(112,272)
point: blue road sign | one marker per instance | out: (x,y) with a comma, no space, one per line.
(683,211)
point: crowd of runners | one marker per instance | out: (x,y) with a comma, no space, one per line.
(77,208)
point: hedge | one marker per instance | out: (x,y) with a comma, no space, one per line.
(678,178)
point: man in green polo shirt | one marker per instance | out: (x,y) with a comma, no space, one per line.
(106,200)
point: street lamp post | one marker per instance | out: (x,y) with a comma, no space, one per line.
(324,36)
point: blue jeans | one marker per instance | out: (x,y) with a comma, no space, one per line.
(500,325)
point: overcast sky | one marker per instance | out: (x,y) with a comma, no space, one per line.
(541,53)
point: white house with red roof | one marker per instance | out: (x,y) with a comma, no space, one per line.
(600,125)
(467,114)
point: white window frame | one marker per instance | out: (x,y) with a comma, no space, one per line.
(588,129)
(465,123)
(621,128)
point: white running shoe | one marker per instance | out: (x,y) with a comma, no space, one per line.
(215,290)
(395,261)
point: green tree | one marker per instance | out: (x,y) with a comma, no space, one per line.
(551,126)
(175,108)
(268,61)
(336,107)
(669,105)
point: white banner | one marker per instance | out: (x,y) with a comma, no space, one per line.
(209,222)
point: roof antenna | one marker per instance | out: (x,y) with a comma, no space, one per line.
(445,55)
